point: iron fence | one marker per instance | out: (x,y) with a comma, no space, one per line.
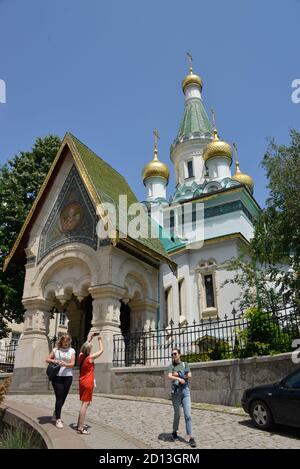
(237,336)
(7,358)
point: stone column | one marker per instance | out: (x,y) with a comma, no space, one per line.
(106,320)
(144,317)
(33,348)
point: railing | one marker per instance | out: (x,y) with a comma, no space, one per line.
(236,336)
(7,358)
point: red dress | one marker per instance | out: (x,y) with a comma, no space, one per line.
(86,380)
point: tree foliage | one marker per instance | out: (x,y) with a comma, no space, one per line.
(268,273)
(20,181)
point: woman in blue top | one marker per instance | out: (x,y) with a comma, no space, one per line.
(180,374)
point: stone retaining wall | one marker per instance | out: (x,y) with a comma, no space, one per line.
(220,382)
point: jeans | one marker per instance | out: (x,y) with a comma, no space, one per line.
(61,386)
(182,398)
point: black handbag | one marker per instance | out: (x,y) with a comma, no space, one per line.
(52,370)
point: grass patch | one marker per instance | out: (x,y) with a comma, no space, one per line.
(18,438)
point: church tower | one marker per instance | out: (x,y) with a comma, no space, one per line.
(156,176)
(194,133)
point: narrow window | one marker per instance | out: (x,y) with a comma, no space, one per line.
(172,221)
(190,170)
(181,297)
(168,305)
(15,337)
(62,319)
(209,291)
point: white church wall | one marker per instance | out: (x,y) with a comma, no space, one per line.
(189,268)
(226,224)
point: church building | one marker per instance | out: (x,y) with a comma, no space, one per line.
(119,283)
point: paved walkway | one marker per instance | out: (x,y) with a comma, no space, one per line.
(133,423)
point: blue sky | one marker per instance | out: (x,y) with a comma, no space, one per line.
(110,72)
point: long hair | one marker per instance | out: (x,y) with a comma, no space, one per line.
(86,349)
(62,338)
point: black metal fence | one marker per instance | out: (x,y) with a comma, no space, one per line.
(7,358)
(238,336)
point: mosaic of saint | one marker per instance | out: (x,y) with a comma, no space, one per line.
(72,219)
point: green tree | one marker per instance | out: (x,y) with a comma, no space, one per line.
(256,283)
(20,181)
(262,335)
(269,271)
(277,233)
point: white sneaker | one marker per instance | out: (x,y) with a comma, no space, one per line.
(59,424)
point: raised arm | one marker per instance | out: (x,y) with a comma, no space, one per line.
(100,351)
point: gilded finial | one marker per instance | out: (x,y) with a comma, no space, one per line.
(239,176)
(215,132)
(156,138)
(237,163)
(190,59)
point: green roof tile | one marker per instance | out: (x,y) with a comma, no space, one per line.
(109,185)
(195,121)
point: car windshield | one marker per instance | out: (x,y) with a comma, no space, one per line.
(293,381)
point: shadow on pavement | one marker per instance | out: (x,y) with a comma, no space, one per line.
(45,419)
(281,430)
(169,438)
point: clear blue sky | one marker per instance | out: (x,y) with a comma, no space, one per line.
(110,72)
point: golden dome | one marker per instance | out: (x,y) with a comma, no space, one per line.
(243,178)
(192,79)
(217,148)
(156,168)
(240,177)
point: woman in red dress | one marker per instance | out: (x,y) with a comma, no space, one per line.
(86,380)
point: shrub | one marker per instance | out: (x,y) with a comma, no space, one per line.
(262,336)
(4,388)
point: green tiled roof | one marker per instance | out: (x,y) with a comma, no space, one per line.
(195,121)
(109,184)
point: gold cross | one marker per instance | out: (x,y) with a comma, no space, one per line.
(213,117)
(156,138)
(190,59)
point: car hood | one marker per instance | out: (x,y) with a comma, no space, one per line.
(262,387)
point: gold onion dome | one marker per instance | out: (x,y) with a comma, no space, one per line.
(217,148)
(241,177)
(192,79)
(156,168)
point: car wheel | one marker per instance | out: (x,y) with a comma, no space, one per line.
(261,415)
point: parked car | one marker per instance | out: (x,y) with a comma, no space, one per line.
(277,403)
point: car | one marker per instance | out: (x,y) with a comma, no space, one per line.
(277,403)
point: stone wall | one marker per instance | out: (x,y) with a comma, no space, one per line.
(220,382)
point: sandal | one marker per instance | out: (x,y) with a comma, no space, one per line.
(83,431)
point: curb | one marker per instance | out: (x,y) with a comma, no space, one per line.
(13,412)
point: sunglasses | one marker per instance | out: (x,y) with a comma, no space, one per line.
(175,353)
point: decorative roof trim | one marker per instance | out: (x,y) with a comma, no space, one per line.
(68,141)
